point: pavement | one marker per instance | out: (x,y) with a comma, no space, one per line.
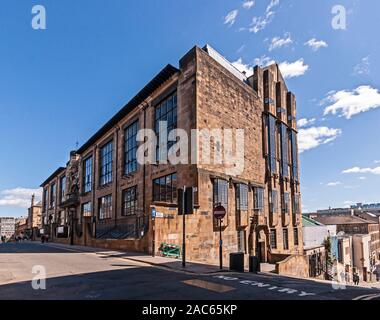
(82,273)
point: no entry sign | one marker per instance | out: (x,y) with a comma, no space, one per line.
(219,212)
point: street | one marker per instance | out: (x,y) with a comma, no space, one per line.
(77,275)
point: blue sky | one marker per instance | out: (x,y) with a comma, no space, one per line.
(59,85)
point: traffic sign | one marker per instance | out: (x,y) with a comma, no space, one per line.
(219,212)
(154,212)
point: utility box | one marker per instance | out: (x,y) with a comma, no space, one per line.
(237,261)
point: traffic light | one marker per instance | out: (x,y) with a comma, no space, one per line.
(189,201)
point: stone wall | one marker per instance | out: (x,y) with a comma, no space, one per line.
(295,265)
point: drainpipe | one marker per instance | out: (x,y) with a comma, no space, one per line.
(116,171)
(94,161)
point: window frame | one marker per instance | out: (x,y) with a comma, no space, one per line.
(131,191)
(106,168)
(218,198)
(166,193)
(273,238)
(241,195)
(87,177)
(285,238)
(258,198)
(130,147)
(109,213)
(161,113)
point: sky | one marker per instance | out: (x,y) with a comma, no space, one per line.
(60,84)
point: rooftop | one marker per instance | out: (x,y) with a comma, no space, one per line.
(332,220)
(308,222)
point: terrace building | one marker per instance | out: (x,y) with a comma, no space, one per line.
(104,196)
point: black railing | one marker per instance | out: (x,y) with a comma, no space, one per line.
(134,227)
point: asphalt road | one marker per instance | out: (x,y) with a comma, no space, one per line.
(78,275)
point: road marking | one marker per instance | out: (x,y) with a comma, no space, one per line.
(212,286)
(267,286)
(368,296)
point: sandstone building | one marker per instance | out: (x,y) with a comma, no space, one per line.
(104,197)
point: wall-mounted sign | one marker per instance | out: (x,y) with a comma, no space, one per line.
(60,230)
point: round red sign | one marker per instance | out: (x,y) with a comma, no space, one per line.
(219,212)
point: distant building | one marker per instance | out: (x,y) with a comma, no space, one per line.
(7,227)
(34,223)
(21,225)
(365,240)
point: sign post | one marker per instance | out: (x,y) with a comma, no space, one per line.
(154,212)
(219,214)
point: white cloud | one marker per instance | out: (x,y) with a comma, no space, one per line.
(242,67)
(18,197)
(362,178)
(334,184)
(272,4)
(278,42)
(377,161)
(363,67)
(315,44)
(293,69)
(248,4)
(301,123)
(259,23)
(349,103)
(313,137)
(362,170)
(230,18)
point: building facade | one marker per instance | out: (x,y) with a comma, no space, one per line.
(105,197)
(34,222)
(7,227)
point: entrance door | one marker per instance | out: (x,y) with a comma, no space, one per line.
(262,252)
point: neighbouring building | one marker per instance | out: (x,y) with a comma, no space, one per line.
(315,235)
(21,227)
(7,227)
(104,197)
(365,240)
(34,223)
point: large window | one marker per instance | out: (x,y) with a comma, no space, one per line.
(258,200)
(87,175)
(165,111)
(106,156)
(105,207)
(62,188)
(242,197)
(296,204)
(273,239)
(285,239)
(130,148)
(165,189)
(86,209)
(53,193)
(272,146)
(284,151)
(273,207)
(285,202)
(293,141)
(130,201)
(45,199)
(220,193)
(296,239)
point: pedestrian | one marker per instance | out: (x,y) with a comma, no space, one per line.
(47,238)
(356,279)
(42,238)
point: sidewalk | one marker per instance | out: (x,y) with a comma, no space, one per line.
(158,261)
